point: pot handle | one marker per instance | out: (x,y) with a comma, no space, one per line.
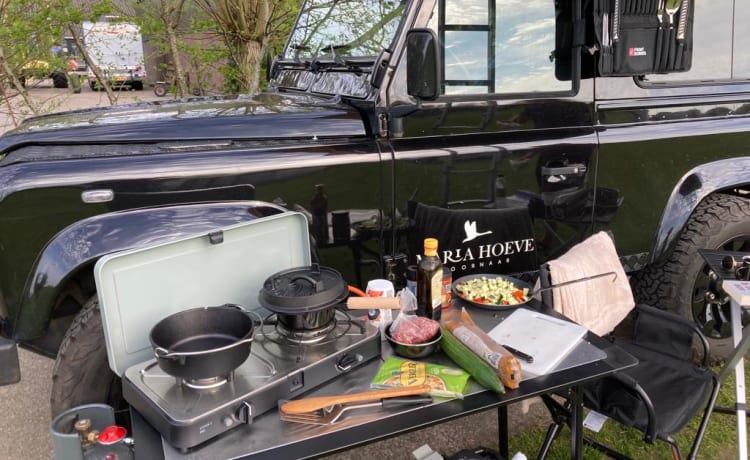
(162,353)
(249,312)
(166,354)
(317,284)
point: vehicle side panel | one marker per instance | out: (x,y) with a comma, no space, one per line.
(38,216)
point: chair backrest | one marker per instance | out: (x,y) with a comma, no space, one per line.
(477,240)
(600,304)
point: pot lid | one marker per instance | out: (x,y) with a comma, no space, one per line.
(303,290)
(139,287)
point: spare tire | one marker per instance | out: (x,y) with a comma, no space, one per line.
(680,283)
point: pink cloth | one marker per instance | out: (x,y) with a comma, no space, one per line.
(599,304)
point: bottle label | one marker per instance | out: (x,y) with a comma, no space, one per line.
(436,290)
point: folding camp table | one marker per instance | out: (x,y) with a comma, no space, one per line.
(739,294)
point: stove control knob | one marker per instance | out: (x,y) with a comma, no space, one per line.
(244,413)
(227,421)
(347,362)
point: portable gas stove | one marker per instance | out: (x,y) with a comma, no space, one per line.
(282,365)
(140,287)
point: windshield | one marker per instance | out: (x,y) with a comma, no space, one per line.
(344,28)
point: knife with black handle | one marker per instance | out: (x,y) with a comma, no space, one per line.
(681,31)
(659,35)
(616,22)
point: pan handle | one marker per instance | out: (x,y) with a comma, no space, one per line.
(565,283)
(163,353)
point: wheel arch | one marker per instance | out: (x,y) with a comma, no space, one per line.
(731,176)
(74,251)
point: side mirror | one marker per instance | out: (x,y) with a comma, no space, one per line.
(422,64)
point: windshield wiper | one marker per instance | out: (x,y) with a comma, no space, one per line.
(336,58)
(297,48)
(337,61)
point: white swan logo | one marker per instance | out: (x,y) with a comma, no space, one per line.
(470,227)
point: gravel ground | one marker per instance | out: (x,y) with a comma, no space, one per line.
(24,424)
(51,100)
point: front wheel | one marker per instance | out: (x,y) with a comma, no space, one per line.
(682,282)
(59,80)
(81,374)
(160,90)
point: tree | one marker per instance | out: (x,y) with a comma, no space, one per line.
(247,27)
(164,23)
(26,42)
(70,14)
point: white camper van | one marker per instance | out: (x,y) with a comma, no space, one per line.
(117,49)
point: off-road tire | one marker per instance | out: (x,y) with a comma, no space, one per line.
(720,222)
(81,374)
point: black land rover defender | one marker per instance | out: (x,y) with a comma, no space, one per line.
(584,116)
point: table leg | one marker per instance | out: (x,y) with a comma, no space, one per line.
(739,374)
(576,422)
(502,429)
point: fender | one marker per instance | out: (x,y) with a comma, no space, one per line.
(79,246)
(693,187)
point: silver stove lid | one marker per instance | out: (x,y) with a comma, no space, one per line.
(137,288)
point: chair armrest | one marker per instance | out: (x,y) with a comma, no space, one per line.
(672,317)
(649,434)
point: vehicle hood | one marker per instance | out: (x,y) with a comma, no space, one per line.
(261,116)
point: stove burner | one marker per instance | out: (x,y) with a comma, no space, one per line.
(340,325)
(305,336)
(204,384)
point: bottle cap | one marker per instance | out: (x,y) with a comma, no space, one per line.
(411,273)
(430,244)
(112,434)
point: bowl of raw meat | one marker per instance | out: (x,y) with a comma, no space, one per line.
(414,339)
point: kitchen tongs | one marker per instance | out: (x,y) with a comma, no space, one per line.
(307,405)
(331,414)
(324,410)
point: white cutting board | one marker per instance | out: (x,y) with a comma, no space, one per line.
(544,337)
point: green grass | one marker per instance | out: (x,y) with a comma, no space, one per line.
(719,442)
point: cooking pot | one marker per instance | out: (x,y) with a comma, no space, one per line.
(204,342)
(304,298)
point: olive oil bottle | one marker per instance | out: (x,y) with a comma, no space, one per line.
(429,281)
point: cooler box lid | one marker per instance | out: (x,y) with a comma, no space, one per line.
(137,288)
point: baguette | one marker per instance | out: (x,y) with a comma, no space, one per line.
(505,365)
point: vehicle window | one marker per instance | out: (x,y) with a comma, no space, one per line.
(741,49)
(712,46)
(344,28)
(501,47)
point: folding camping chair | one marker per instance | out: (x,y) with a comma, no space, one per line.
(658,396)
(478,240)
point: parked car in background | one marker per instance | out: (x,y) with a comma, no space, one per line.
(39,70)
(116,49)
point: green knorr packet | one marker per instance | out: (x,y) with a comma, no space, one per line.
(446,382)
